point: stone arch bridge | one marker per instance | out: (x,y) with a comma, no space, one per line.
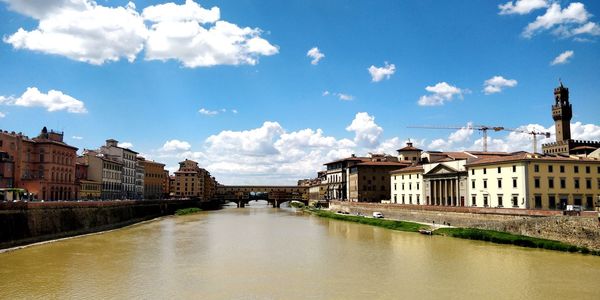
(275,195)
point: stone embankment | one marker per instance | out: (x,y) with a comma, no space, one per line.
(25,223)
(581,231)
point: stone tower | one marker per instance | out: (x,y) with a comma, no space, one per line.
(562,113)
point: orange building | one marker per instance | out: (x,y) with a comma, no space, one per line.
(153,179)
(43,165)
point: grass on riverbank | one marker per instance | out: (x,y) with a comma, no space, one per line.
(187,211)
(499,237)
(389,224)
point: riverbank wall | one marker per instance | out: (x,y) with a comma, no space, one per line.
(31,222)
(582,231)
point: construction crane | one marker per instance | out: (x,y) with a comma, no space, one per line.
(533,133)
(482,128)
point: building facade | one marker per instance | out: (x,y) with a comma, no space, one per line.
(154,179)
(128,159)
(189,180)
(44,165)
(108,171)
(534,181)
(370,181)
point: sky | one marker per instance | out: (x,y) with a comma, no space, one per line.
(266,92)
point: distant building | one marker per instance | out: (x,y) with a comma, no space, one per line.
(154,179)
(108,171)
(562,112)
(369,181)
(88,189)
(140,176)
(128,160)
(44,165)
(189,180)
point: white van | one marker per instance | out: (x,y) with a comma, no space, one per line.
(377,215)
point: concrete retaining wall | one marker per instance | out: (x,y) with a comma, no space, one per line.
(26,223)
(581,231)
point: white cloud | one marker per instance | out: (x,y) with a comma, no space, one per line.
(570,21)
(126,145)
(562,58)
(441,92)
(86,31)
(366,131)
(258,142)
(2,115)
(81,30)
(344,97)
(197,38)
(380,73)
(52,101)
(497,83)
(75,137)
(207,112)
(455,141)
(176,145)
(521,7)
(315,54)
(235,111)
(325,93)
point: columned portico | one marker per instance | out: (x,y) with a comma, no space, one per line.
(444,184)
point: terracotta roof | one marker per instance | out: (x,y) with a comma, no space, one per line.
(383,163)
(409,169)
(584,148)
(409,148)
(525,156)
(349,159)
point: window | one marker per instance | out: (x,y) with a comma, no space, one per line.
(536,168)
(403,186)
(551,202)
(474,200)
(551,182)
(588,183)
(395,198)
(417,185)
(550,169)
(485,184)
(576,182)
(538,201)
(576,169)
(500,201)
(409,176)
(514,183)
(410,186)
(484,171)
(472,171)
(402,198)
(563,183)
(499,183)
(587,169)
(589,203)
(409,199)
(473,184)
(536,183)
(499,170)
(515,200)
(514,168)
(485,201)
(418,200)
(562,169)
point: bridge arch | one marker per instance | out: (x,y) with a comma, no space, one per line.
(276,195)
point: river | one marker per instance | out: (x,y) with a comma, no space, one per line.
(265,253)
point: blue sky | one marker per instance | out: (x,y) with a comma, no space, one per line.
(263,100)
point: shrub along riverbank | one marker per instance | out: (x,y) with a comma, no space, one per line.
(389,224)
(187,211)
(463,233)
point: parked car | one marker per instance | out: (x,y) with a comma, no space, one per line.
(377,215)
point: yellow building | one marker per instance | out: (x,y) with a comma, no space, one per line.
(89,189)
(534,181)
(154,175)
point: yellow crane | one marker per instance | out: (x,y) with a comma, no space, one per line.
(483,128)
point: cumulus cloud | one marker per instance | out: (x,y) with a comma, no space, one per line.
(197,37)
(521,7)
(75,137)
(380,73)
(496,84)
(176,145)
(315,54)
(126,145)
(570,21)
(86,31)
(52,101)
(366,131)
(440,93)
(81,30)
(562,58)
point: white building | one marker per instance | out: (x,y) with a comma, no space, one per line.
(128,158)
